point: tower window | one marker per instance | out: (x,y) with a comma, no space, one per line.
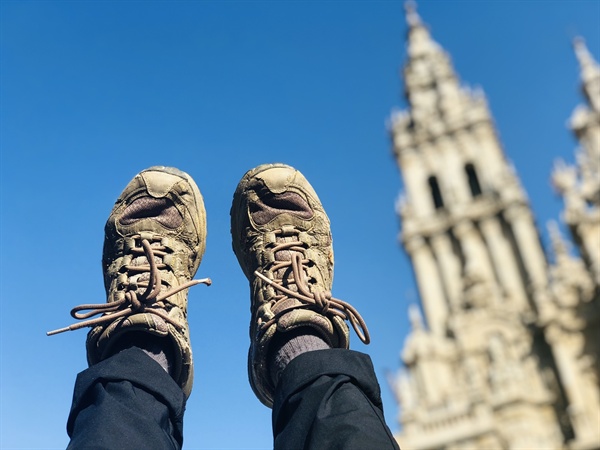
(436,194)
(473,180)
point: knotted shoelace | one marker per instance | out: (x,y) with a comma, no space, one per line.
(132,303)
(320,301)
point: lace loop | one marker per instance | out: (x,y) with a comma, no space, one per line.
(320,301)
(131,302)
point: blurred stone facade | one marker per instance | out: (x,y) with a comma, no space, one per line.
(506,356)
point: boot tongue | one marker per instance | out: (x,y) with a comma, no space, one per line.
(267,207)
(160,209)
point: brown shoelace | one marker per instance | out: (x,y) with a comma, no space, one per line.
(132,303)
(321,301)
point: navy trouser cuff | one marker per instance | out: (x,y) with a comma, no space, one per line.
(127,392)
(327,399)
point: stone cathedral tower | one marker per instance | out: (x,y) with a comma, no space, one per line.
(481,368)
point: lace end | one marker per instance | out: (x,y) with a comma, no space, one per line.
(60,330)
(262,277)
(206,281)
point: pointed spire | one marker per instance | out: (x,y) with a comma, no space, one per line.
(590,73)
(589,67)
(412,17)
(419,39)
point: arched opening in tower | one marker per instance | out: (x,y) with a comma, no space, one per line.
(436,194)
(473,180)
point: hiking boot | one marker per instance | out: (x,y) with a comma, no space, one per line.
(154,241)
(282,240)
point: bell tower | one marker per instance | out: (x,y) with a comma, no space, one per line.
(475,365)
(466,223)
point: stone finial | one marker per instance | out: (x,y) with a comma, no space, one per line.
(590,73)
(564,176)
(405,391)
(565,180)
(419,38)
(416,319)
(412,17)
(560,247)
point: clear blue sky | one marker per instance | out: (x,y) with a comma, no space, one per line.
(93,92)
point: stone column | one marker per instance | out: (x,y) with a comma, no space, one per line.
(505,262)
(450,268)
(429,283)
(528,243)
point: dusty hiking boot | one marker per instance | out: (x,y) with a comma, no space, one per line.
(154,241)
(282,240)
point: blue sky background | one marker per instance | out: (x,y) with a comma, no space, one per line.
(93,92)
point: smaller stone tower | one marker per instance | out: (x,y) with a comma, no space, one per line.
(572,321)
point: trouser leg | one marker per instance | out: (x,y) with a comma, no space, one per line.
(328,399)
(126,401)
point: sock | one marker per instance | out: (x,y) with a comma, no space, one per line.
(286,346)
(156,347)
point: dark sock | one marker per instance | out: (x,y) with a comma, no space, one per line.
(158,348)
(286,346)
